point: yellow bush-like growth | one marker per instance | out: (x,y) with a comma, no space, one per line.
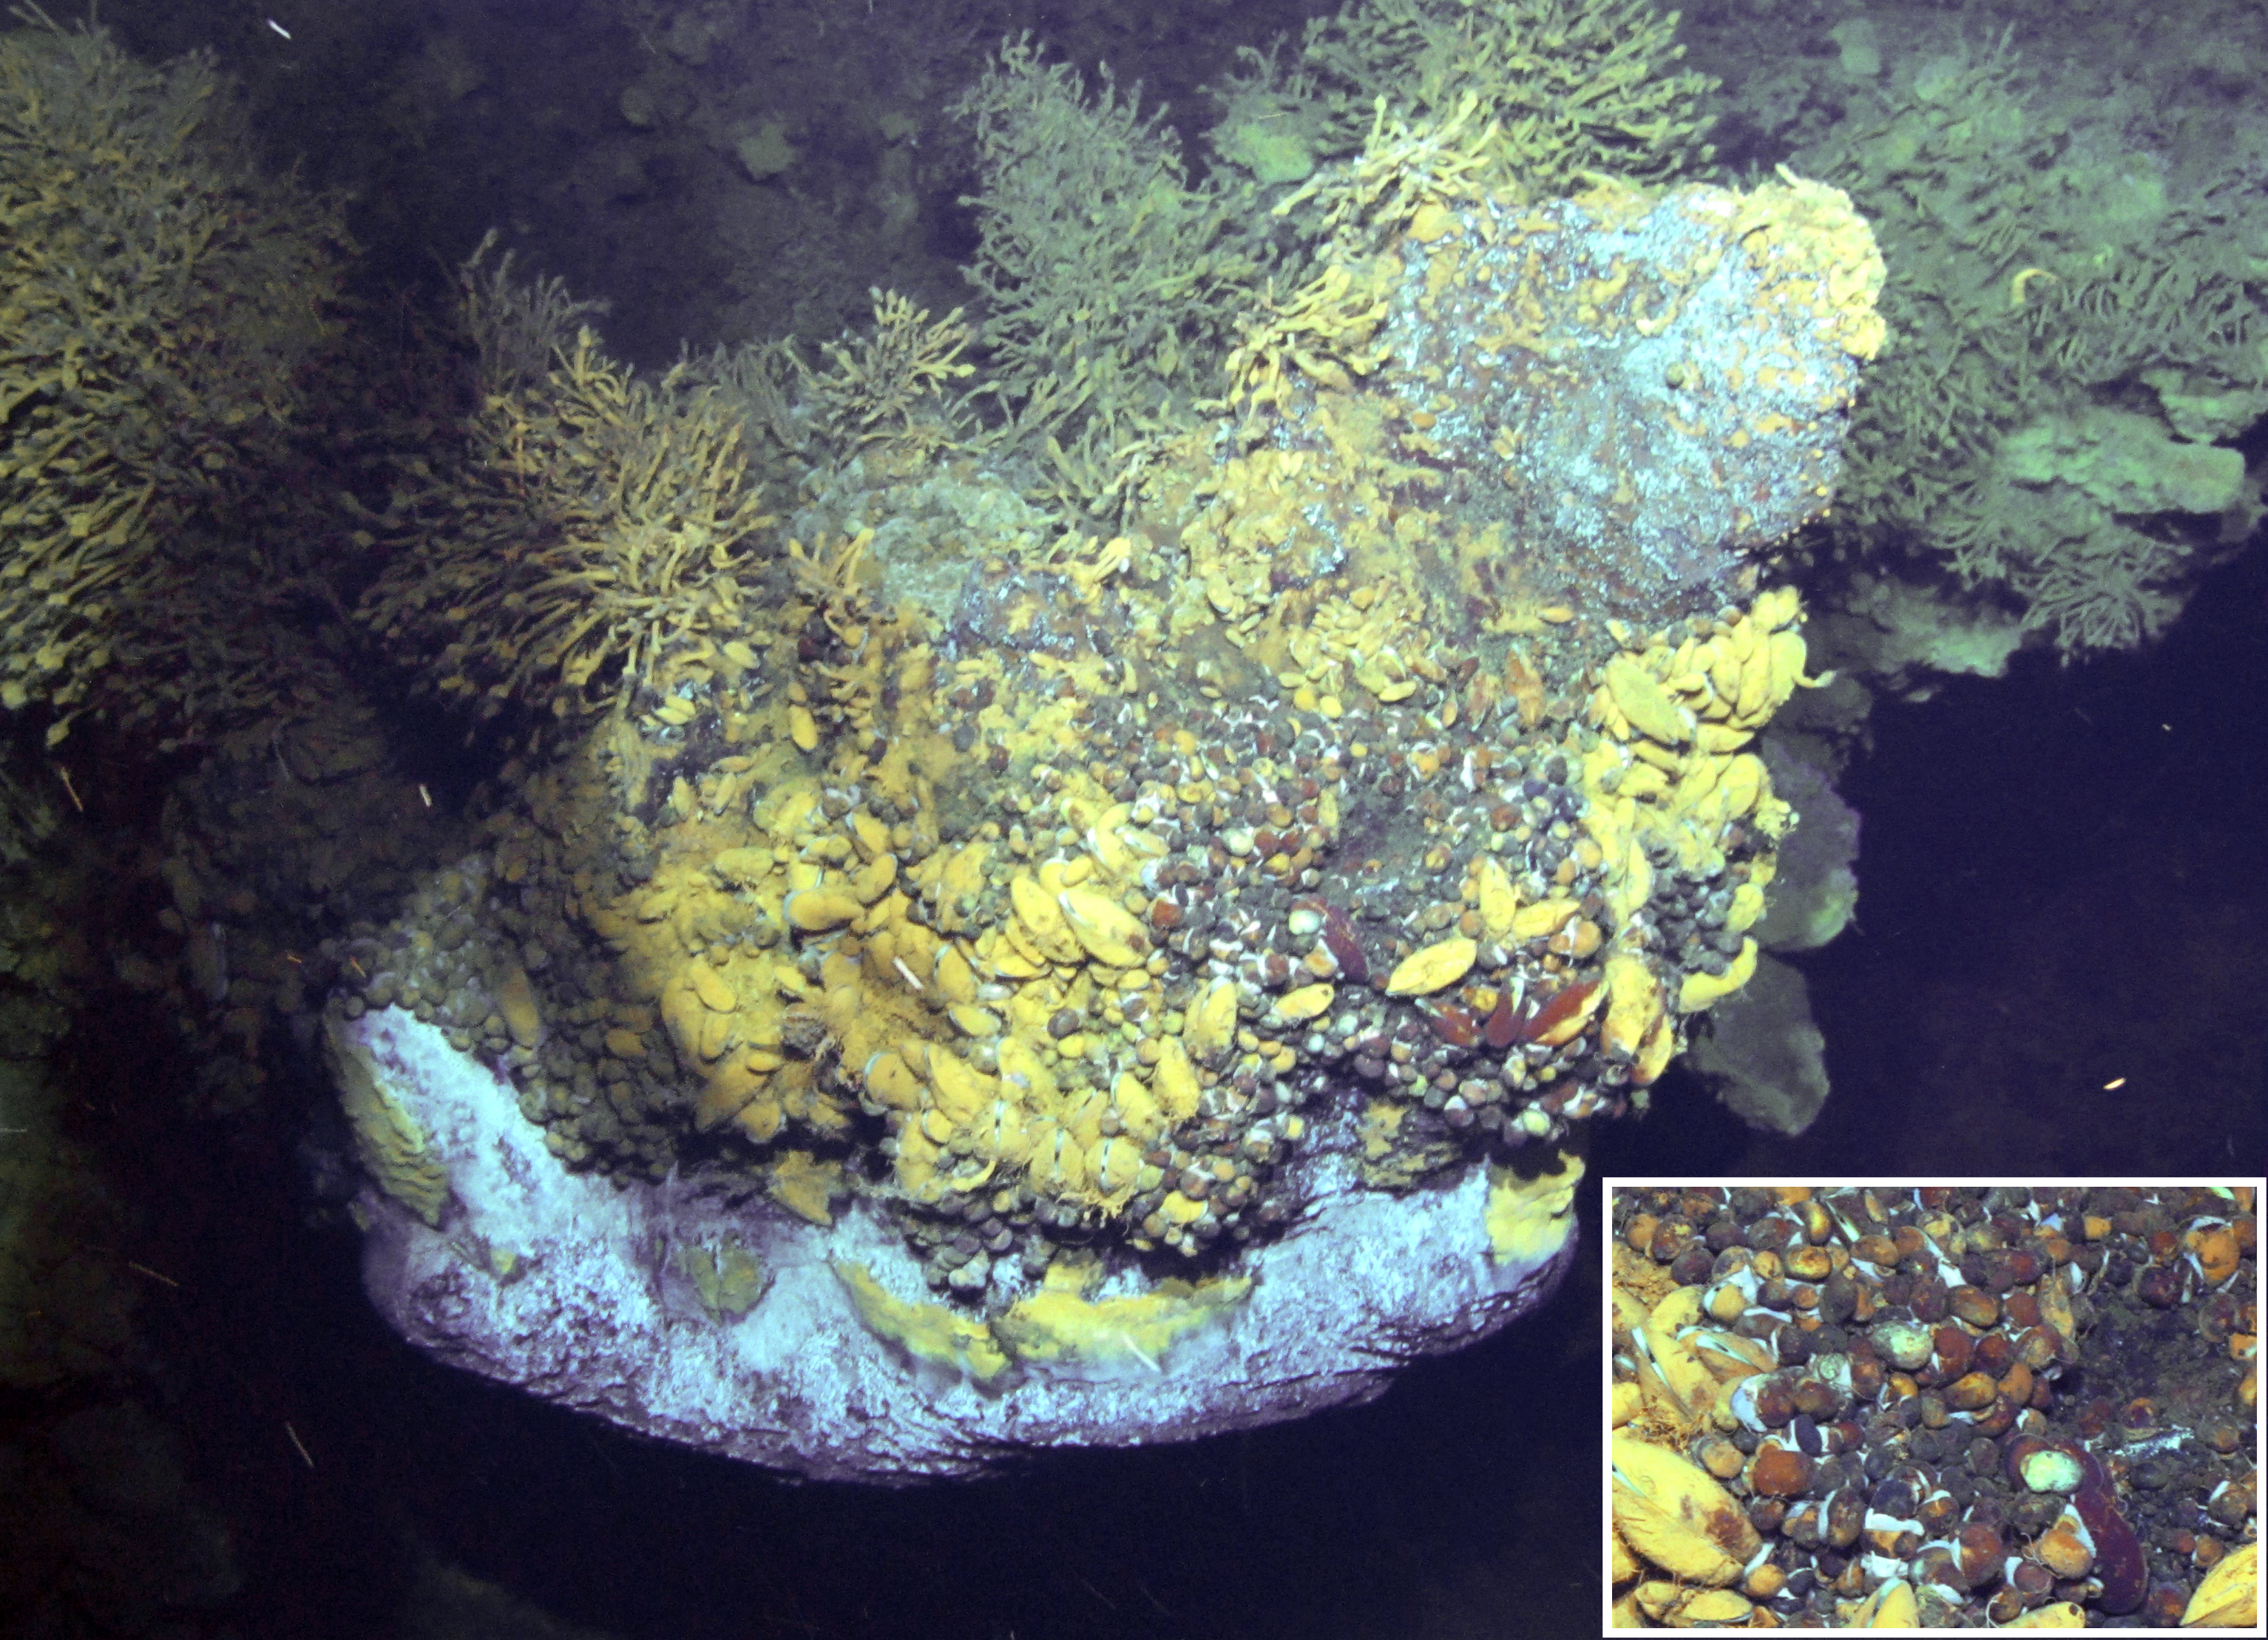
(1574,89)
(156,297)
(594,522)
(893,386)
(1112,285)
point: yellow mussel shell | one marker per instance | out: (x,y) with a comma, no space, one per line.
(1437,966)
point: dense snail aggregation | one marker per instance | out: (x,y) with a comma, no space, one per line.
(1943,1406)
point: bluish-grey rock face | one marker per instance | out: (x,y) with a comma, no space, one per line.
(1635,388)
(590,1292)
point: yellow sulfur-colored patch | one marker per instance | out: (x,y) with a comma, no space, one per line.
(387,1138)
(929,1333)
(806,1186)
(1798,229)
(1060,1324)
(1530,1219)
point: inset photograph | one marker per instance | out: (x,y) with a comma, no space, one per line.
(1936,1406)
